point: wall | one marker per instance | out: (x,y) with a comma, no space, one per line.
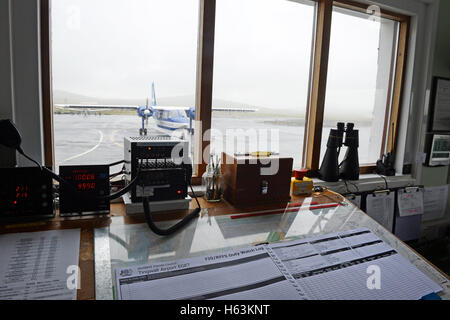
(7,156)
(441,64)
(20,94)
(435,176)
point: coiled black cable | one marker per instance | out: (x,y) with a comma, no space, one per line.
(174,228)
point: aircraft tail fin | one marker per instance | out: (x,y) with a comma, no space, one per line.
(153,94)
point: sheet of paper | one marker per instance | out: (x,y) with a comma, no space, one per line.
(248,273)
(340,268)
(434,202)
(380,206)
(441,119)
(345,273)
(39,265)
(410,202)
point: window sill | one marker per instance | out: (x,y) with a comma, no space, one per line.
(367,182)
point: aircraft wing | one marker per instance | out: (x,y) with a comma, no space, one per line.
(87,109)
(170,108)
(233,109)
(227,109)
(96,106)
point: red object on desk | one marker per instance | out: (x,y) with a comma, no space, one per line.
(290,209)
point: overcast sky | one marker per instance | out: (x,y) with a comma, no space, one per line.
(116,48)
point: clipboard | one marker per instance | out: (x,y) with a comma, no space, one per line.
(380,205)
(408,213)
(410,201)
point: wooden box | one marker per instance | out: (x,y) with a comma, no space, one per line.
(255,180)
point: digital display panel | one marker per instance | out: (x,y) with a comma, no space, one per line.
(25,192)
(91,183)
(440,150)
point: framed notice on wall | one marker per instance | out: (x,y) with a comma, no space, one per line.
(440,103)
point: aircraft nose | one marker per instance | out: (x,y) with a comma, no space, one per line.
(147,112)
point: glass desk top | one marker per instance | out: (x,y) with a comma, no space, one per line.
(122,245)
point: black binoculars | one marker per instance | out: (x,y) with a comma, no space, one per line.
(330,169)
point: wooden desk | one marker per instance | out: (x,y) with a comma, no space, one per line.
(355,218)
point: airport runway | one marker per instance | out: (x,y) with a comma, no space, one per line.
(94,139)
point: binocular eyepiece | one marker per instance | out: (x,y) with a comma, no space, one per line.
(330,169)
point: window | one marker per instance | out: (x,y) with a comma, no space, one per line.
(359,81)
(262,58)
(111,52)
(283,71)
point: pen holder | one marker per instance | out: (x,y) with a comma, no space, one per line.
(213,183)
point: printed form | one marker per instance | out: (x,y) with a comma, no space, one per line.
(410,203)
(380,207)
(332,266)
(339,266)
(435,202)
(249,273)
(35,265)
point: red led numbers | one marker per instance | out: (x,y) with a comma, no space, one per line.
(22,192)
(85,177)
(86,186)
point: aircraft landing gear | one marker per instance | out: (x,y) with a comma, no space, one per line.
(143,132)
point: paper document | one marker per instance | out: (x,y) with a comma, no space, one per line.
(250,273)
(332,266)
(39,265)
(435,202)
(344,273)
(410,202)
(380,206)
(441,118)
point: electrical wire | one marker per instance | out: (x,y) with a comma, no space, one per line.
(385,181)
(174,228)
(116,174)
(19,149)
(353,184)
(74,190)
(145,201)
(118,162)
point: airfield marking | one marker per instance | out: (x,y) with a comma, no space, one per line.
(86,152)
(111,137)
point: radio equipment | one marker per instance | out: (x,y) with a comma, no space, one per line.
(162,165)
(90,186)
(26,193)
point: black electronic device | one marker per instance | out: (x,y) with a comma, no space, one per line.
(385,165)
(91,186)
(26,193)
(162,164)
(438,149)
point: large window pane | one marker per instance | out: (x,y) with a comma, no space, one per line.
(360,64)
(109,52)
(261,62)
